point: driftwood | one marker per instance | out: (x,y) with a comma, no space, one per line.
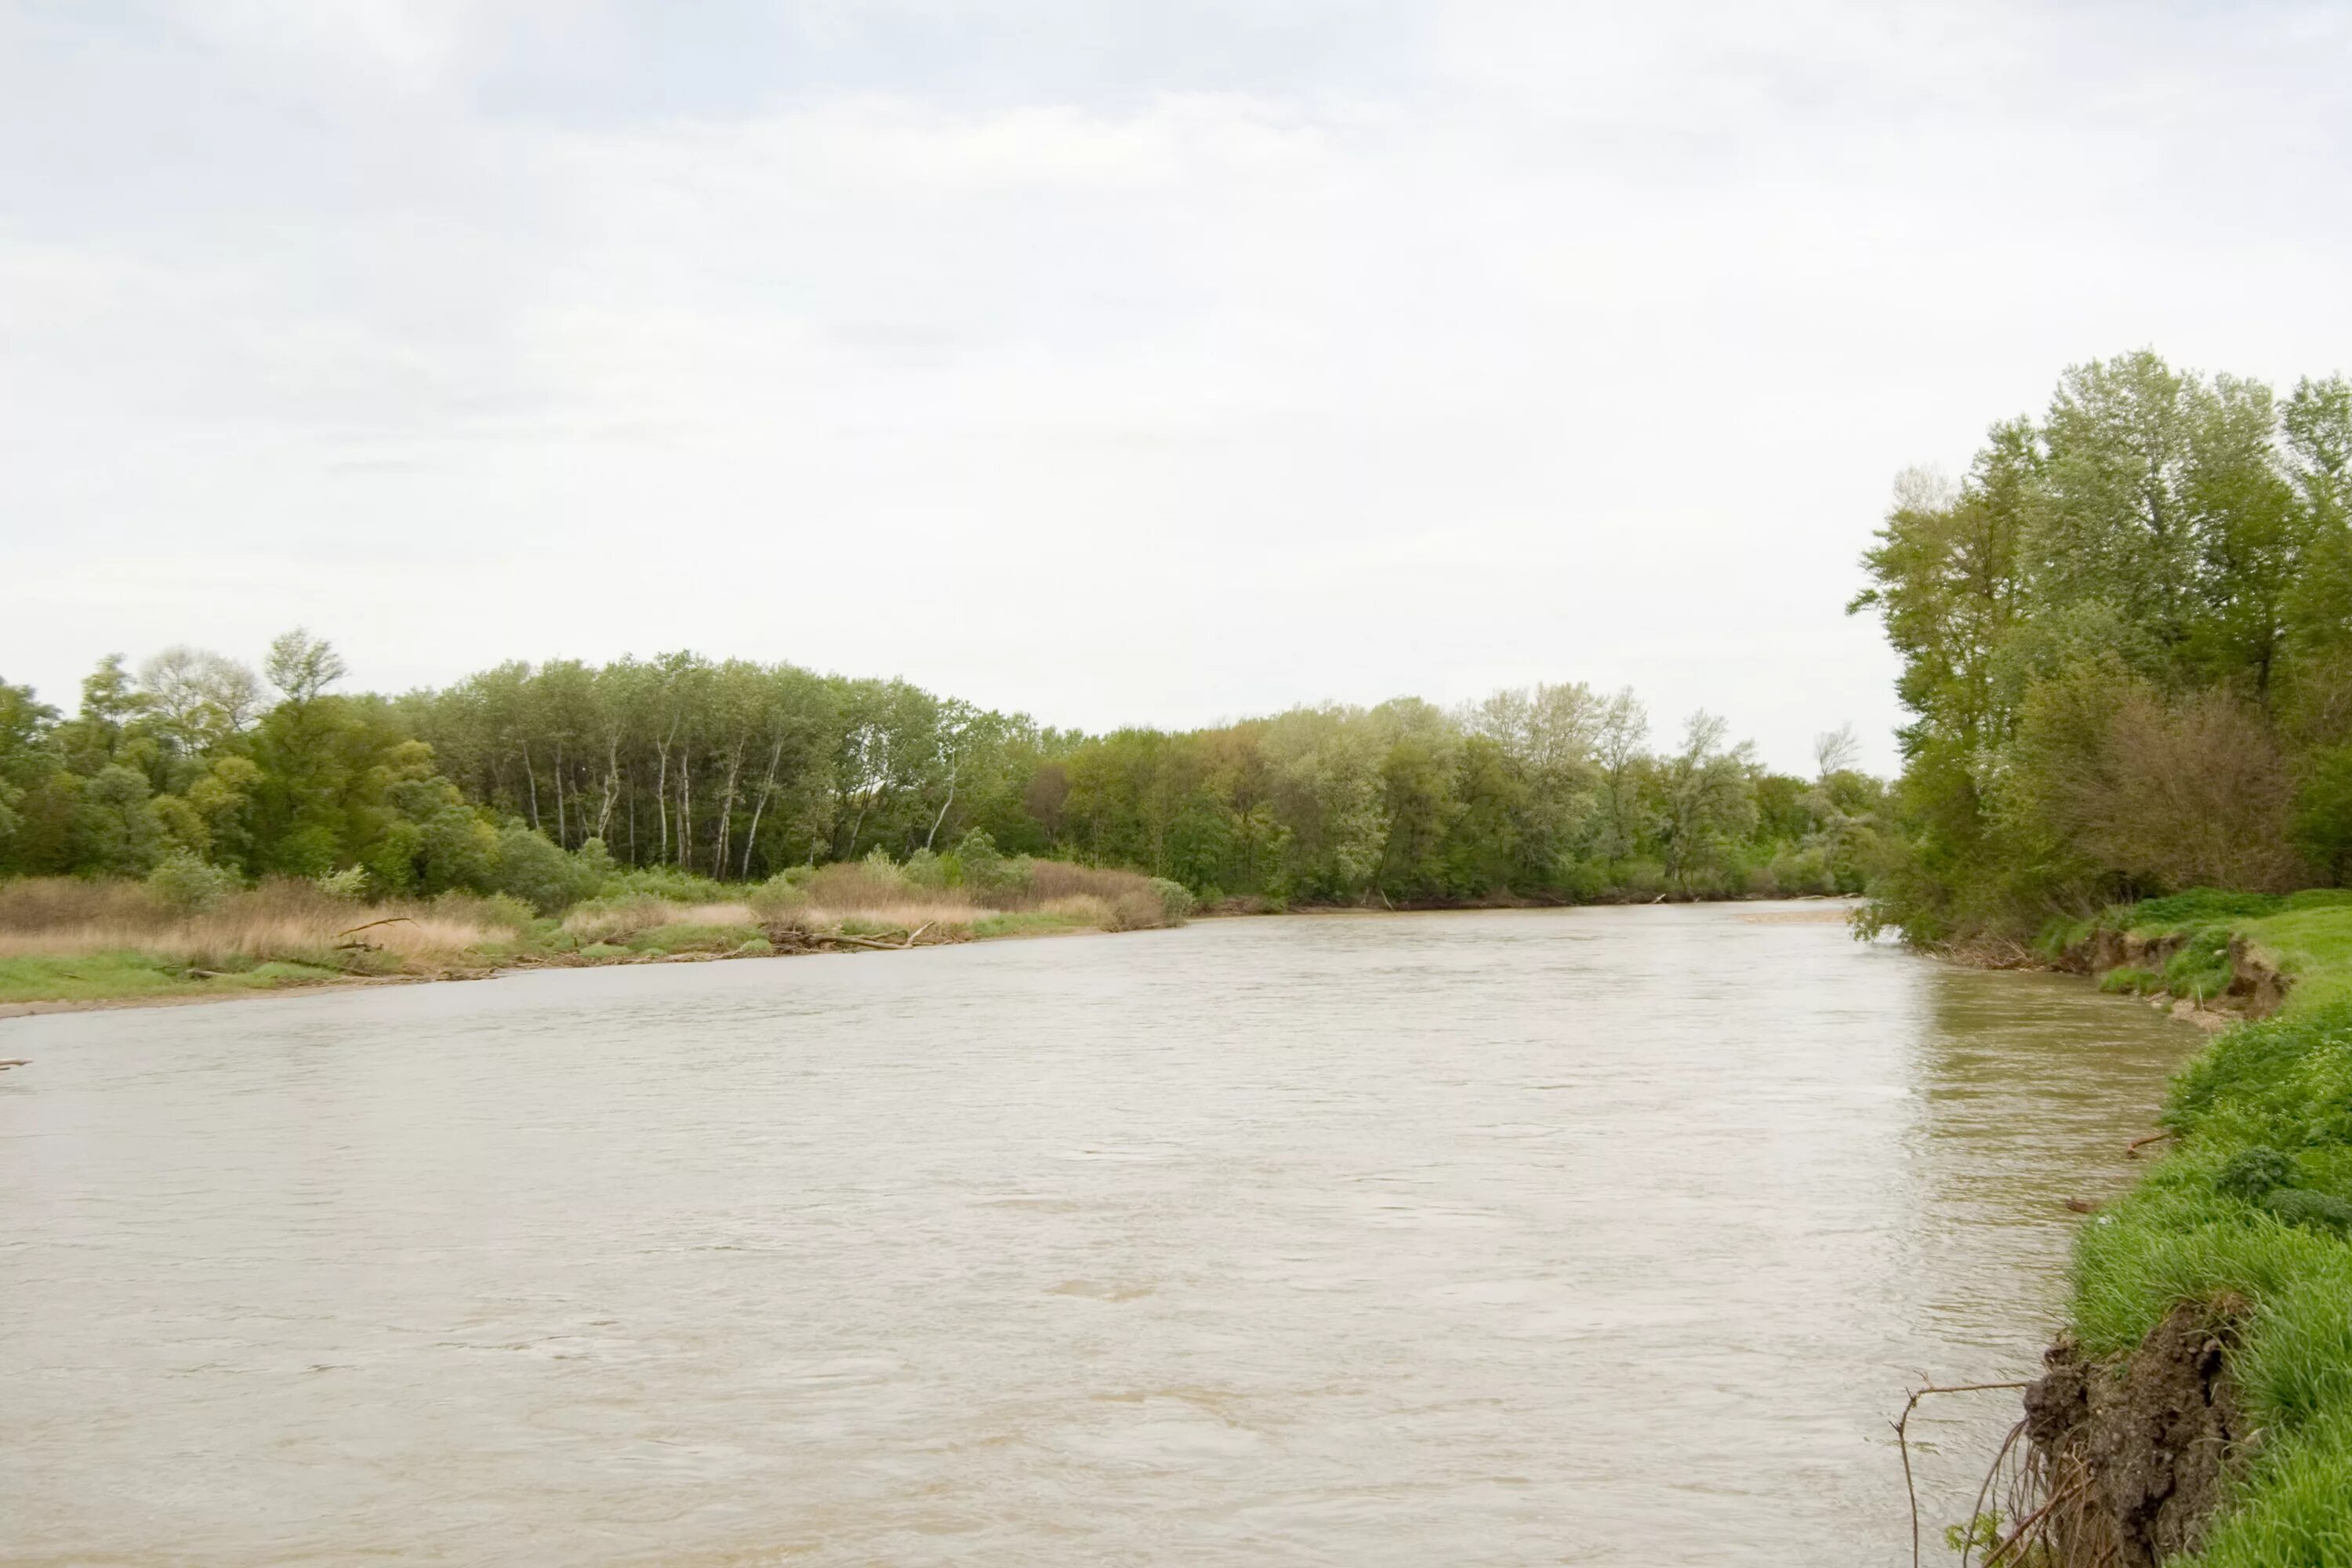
(881,946)
(393,920)
(2132,1149)
(7,1062)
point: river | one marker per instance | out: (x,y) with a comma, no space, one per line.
(1586,1235)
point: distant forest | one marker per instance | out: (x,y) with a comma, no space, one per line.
(736,771)
(2127,638)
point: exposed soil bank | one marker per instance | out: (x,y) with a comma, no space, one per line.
(2200,1402)
(2135,1450)
(2257,985)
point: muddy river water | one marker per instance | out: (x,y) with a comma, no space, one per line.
(1590,1236)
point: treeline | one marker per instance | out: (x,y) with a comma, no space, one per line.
(736,771)
(2127,638)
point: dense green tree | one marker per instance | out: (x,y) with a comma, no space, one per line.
(514,779)
(2127,645)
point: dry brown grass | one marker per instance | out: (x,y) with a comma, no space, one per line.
(913,912)
(293,921)
(1053,879)
(282,920)
(854,887)
(1084,895)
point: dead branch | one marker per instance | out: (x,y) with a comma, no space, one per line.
(881,946)
(1903,1442)
(2030,1524)
(2132,1149)
(393,920)
(1984,1489)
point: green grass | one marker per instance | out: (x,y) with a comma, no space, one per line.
(2201,970)
(106,976)
(2312,943)
(2248,1210)
(687,937)
(1029,923)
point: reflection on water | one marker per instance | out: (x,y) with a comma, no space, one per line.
(1600,1235)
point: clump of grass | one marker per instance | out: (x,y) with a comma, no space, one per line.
(1025,922)
(693,936)
(2201,970)
(2060,936)
(2312,942)
(2190,910)
(2127,981)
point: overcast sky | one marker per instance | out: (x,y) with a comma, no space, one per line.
(1159,362)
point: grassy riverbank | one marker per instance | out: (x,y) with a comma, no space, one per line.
(69,941)
(2248,1221)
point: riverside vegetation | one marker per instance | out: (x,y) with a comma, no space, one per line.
(2200,1407)
(500,818)
(190,929)
(2127,638)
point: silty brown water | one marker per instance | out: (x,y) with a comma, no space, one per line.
(1592,1236)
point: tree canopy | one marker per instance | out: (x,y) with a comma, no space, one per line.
(2127,644)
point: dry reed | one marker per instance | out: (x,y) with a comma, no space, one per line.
(279,920)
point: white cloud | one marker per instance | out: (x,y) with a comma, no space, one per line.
(1168,374)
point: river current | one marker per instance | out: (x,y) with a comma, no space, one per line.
(1607,1235)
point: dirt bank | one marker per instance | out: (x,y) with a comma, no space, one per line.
(2135,1452)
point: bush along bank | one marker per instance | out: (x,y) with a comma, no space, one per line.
(182,934)
(2198,1408)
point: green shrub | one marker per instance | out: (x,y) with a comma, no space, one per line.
(187,883)
(2129,981)
(486,909)
(779,896)
(1175,900)
(666,882)
(982,867)
(531,868)
(2318,1210)
(1803,870)
(925,869)
(348,886)
(2196,908)
(2060,936)
(1642,878)
(2253,1171)
(2200,970)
